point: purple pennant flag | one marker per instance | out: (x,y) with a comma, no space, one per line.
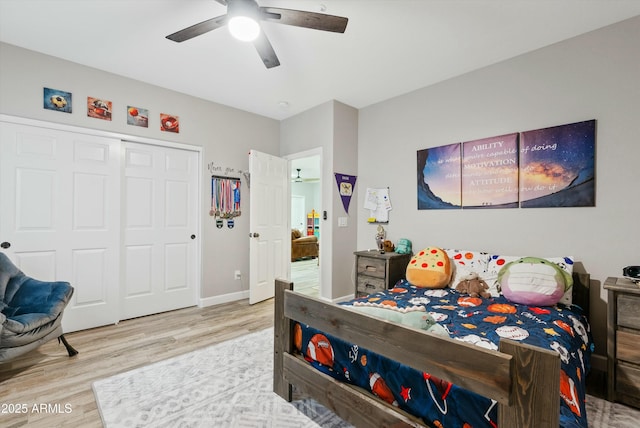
(345,188)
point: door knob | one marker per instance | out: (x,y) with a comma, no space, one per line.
(5,245)
(254,235)
(193,236)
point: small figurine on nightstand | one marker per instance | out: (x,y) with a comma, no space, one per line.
(380,235)
(632,273)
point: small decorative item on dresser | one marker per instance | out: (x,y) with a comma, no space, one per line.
(632,273)
(376,271)
(623,336)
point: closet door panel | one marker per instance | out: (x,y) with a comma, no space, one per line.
(65,221)
(161,188)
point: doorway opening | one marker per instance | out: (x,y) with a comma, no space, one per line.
(306,233)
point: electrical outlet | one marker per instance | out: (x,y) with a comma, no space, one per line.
(237,275)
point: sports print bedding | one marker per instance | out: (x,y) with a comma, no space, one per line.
(479,321)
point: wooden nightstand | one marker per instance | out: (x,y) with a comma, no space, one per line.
(623,341)
(377,272)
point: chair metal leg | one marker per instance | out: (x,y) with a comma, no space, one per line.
(70,350)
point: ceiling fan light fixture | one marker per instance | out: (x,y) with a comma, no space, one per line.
(244,28)
(243,19)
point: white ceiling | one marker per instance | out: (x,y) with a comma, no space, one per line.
(389,48)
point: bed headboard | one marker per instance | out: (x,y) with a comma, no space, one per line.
(581,287)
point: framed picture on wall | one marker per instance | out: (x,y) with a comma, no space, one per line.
(490,172)
(99,108)
(137,116)
(439,178)
(557,166)
(55,99)
(169,123)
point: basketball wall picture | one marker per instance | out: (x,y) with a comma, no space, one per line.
(137,116)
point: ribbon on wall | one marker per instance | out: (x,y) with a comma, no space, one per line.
(225,199)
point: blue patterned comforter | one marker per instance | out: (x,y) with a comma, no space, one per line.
(479,321)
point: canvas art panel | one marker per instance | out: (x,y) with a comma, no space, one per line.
(490,172)
(557,166)
(99,108)
(137,116)
(439,178)
(55,99)
(169,123)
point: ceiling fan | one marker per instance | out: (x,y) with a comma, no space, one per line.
(299,179)
(242,18)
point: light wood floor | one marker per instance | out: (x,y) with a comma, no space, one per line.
(305,275)
(48,376)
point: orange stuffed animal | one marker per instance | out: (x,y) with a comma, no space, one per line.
(430,268)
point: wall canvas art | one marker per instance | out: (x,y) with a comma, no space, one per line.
(490,172)
(137,116)
(439,178)
(54,99)
(169,123)
(99,108)
(557,166)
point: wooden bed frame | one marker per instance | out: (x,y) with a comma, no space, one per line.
(523,379)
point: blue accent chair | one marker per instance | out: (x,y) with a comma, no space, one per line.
(30,311)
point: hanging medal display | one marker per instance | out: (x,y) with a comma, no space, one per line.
(225,200)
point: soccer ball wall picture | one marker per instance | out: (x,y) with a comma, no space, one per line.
(54,99)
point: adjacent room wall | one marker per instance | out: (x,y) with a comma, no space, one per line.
(226,135)
(593,76)
(332,126)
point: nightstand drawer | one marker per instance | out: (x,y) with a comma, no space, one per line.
(629,311)
(372,267)
(627,379)
(627,348)
(368,285)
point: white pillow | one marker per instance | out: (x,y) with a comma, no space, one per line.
(463,262)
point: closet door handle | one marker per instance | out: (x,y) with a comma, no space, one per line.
(5,245)
(254,235)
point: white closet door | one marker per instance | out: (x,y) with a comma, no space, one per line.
(160,192)
(60,213)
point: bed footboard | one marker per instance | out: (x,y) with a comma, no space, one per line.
(523,379)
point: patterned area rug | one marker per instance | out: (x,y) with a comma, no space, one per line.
(230,385)
(225,385)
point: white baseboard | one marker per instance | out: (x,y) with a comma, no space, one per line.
(343,298)
(225,298)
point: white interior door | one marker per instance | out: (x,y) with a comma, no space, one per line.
(60,214)
(160,252)
(298,214)
(270,238)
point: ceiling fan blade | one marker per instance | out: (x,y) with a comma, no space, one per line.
(299,18)
(198,29)
(265,50)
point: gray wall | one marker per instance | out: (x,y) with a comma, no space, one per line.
(333,127)
(593,76)
(226,135)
